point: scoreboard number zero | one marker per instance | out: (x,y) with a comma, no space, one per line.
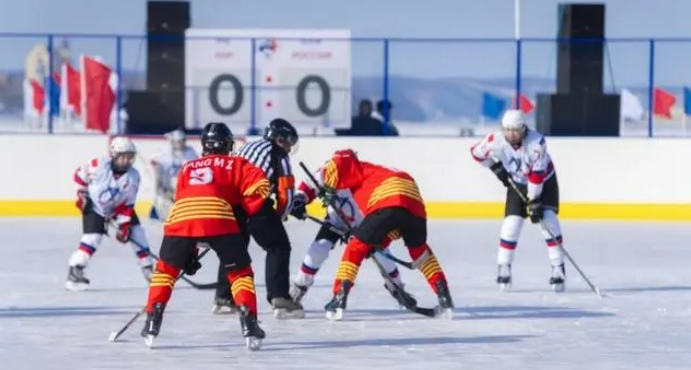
(226,108)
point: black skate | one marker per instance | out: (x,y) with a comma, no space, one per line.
(76,281)
(285,308)
(558,279)
(404,299)
(445,307)
(334,309)
(224,306)
(152,326)
(297,292)
(251,331)
(504,277)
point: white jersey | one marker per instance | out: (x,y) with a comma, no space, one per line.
(109,193)
(347,205)
(528,163)
(168,163)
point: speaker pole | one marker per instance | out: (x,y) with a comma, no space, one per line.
(517,19)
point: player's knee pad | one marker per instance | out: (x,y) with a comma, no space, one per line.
(419,254)
(163,267)
(357,249)
(91,240)
(319,251)
(511,228)
(550,223)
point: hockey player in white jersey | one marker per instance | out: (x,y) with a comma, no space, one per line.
(521,154)
(106,192)
(166,166)
(326,240)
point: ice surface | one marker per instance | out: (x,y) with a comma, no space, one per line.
(644,325)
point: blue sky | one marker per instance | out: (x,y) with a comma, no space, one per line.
(628,61)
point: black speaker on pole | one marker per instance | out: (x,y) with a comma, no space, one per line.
(154,112)
(580,59)
(166,25)
(578,114)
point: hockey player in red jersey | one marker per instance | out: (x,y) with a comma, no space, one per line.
(209,191)
(391,202)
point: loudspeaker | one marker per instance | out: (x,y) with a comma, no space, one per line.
(578,114)
(165,66)
(155,112)
(580,58)
(168,17)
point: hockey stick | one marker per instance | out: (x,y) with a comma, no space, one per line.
(429,312)
(545,227)
(114,335)
(199,286)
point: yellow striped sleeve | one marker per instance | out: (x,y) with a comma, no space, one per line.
(261,187)
(331,174)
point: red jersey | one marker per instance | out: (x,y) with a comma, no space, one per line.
(207,189)
(373,186)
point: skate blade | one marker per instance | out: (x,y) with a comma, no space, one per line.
(149,340)
(253,343)
(75,287)
(559,288)
(335,315)
(444,313)
(223,310)
(283,314)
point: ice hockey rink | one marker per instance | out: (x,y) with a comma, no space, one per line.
(643,324)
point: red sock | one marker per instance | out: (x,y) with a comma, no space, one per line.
(242,287)
(355,252)
(430,268)
(162,283)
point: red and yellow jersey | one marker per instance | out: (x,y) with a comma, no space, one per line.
(206,191)
(373,186)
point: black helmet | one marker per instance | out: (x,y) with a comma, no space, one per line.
(281,130)
(217,139)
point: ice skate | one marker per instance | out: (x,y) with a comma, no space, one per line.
(224,306)
(76,281)
(152,326)
(558,279)
(251,331)
(297,292)
(334,309)
(284,308)
(504,277)
(445,307)
(404,299)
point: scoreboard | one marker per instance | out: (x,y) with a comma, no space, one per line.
(238,76)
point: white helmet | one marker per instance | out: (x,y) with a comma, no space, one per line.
(176,136)
(513,119)
(120,145)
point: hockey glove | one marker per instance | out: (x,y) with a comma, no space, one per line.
(124,233)
(328,196)
(299,209)
(500,172)
(84,202)
(535,211)
(192,266)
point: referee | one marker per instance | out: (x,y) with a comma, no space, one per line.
(271,154)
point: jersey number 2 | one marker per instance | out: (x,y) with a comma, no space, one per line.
(201,176)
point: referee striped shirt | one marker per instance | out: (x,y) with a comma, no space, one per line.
(259,153)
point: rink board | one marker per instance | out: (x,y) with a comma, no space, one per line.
(435,210)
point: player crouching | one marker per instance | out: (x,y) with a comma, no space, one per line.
(392,202)
(327,238)
(520,155)
(106,192)
(208,190)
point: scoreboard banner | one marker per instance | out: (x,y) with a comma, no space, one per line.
(245,75)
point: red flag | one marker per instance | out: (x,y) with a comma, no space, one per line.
(97,94)
(72,88)
(663,101)
(38,96)
(524,104)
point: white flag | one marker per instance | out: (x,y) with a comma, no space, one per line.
(631,107)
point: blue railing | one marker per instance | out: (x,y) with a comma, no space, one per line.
(437,86)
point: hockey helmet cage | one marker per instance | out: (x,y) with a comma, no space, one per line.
(217,138)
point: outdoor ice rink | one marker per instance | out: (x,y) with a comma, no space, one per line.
(644,324)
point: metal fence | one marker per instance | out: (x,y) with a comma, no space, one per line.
(438,87)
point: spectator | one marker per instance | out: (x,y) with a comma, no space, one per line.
(383,115)
(363,124)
